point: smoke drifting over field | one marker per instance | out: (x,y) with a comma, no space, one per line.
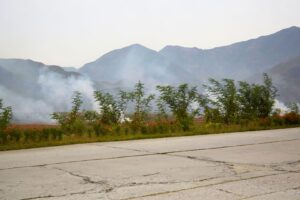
(53,94)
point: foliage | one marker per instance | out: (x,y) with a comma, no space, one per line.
(140,101)
(5,116)
(72,121)
(293,108)
(225,100)
(110,112)
(91,116)
(268,92)
(77,102)
(179,101)
(292,117)
(228,108)
(247,102)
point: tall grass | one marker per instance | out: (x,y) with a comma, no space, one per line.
(22,137)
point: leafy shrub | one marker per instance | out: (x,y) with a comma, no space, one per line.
(101,129)
(46,133)
(265,122)
(291,118)
(30,135)
(117,130)
(144,130)
(126,130)
(54,133)
(15,134)
(5,117)
(3,137)
(278,120)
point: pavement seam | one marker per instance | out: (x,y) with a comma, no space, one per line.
(260,195)
(53,196)
(228,192)
(203,186)
(148,153)
(209,148)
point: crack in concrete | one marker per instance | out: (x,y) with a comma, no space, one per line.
(152,174)
(53,196)
(208,148)
(261,195)
(231,193)
(76,161)
(108,188)
(162,182)
(203,186)
(130,149)
(275,167)
(86,179)
(147,153)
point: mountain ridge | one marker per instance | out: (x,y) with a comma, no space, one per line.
(49,88)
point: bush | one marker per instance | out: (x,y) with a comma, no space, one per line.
(78,127)
(144,130)
(3,137)
(30,135)
(15,134)
(265,122)
(117,130)
(291,118)
(126,130)
(278,120)
(101,129)
(134,129)
(90,131)
(54,133)
(46,133)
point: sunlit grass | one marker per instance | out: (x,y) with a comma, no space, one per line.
(122,135)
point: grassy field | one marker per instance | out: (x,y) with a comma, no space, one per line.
(37,138)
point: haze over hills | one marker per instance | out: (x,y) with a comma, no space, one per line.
(175,64)
(134,63)
(35,90)
(32,87)
(239,60)
(286,77)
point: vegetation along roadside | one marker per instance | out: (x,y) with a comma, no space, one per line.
(226,106)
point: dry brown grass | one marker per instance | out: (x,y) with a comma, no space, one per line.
(31,126)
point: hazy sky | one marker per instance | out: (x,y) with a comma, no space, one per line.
(74,32)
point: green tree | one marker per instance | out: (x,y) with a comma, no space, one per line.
(91,116)
(292,116)
(77,103)
(179,100)
(293,107)
(224,98)
(71,121)
(140,101)
(5,116)
(110,111)
(267,97)
(250,98)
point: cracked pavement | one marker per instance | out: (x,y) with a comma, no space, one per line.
(258,165)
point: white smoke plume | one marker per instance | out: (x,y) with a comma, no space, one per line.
(54,95)
(280,105)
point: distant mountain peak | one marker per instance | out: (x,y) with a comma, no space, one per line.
(290,30)
(136,45)
(293,28)
(180,47)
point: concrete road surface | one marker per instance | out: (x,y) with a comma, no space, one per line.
(261,165)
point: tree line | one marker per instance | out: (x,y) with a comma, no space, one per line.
(223,102)
(223,106)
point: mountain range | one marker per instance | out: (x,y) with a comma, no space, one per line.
(277,54)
